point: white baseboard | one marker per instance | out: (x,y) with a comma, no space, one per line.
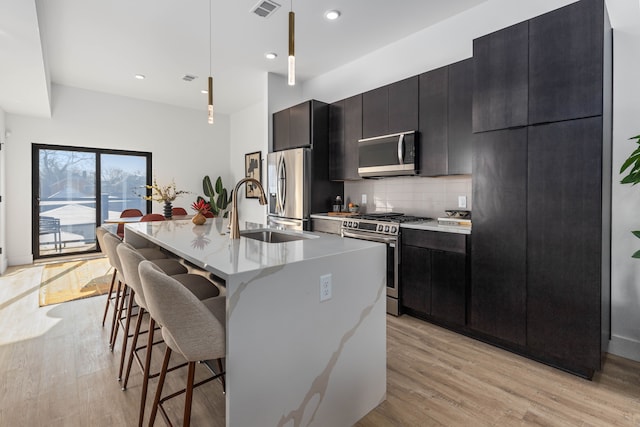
(21,260)
(625,347)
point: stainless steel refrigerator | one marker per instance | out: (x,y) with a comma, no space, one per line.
(298,185)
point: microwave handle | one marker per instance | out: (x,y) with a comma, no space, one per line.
(401,150)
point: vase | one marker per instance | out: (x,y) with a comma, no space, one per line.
(199,219)
(168,209)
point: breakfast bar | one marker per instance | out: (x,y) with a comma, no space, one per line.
(305,313)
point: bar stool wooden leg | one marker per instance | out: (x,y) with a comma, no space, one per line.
(115,314)
(125,338)
(189,394)
(109,297)
(147,367)
(123,298)
(134,343)
(163,374)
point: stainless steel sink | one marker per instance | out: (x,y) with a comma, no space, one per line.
(270,236)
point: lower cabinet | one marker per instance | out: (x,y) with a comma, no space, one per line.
(434,275)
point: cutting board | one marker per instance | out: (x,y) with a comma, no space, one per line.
(341,214)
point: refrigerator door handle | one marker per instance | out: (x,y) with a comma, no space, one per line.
(282,186)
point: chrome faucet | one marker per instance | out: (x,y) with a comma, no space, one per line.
(233,223)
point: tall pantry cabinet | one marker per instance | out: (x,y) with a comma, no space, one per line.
(541,187)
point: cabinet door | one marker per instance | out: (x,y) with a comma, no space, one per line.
(281,130)
(449,287)
(375,112)
(498,247)
(300,125)
(500,91)
(352,133)
(565,63)
(459,124)
(415,285)
(564,240)
(403,105)
(337,148)
(433,122)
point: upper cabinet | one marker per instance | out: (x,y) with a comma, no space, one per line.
(445,120)
(547,69)
(299,125)
(345,129)
(390,109)
(566,63)
(500,92)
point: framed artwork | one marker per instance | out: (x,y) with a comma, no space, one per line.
(253,169)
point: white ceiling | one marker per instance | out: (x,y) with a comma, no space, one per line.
(101,45)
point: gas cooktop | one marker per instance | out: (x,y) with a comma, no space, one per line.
(389,217)
(387,223)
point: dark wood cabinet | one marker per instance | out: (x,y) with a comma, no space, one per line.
(566,63)
(498,249)
(345,129)
(281,130)
(459,128)
(564,240)
(445,120)
(375,112)
(433,123)
(390,109)
(294,126)
(434,275)
(500,90)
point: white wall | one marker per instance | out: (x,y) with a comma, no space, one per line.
(451,41)
(184,147)
(3,210)
(625,275)
(249,134)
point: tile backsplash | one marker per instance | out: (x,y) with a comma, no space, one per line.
(410,195)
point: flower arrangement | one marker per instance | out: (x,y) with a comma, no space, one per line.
(164,193)
(200,206)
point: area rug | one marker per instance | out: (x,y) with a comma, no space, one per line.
(72,280)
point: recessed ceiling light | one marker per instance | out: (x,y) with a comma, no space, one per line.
(270,55)
(140,76)
(332,15)
(204,91)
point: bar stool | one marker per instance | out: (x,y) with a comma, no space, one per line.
(111,242)
(148,253)
(193,328)
(195,284)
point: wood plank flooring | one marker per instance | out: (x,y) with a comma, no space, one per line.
(56,370)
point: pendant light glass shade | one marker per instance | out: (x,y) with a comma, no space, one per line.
(292,57)
(210,97)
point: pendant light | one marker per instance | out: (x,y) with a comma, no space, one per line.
(292,57)
(210,79)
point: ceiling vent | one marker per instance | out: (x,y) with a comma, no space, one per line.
(265,8)
(189,78)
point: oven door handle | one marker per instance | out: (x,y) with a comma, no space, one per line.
(373,238)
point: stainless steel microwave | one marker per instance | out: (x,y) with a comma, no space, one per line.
(388,155)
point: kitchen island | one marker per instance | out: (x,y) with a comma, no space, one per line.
(292,359)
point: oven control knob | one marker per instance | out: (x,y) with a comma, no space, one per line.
(344,223)
(355,224)
(386,228)
(349,224)
(394,229)
(379,227)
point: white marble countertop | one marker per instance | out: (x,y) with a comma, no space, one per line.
(430,225)
(208,246)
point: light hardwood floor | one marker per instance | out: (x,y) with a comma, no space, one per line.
(56,370)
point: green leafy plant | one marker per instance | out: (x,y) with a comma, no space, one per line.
(218,196)
(633,177)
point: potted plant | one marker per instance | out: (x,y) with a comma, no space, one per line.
(201,207)
(633,177)
(163,194)
(218,196)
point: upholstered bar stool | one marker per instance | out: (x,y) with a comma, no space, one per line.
(193,328)
(148,253)
(197,285)
(111,243)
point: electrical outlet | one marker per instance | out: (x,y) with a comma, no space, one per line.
(325,287)
(364,199)
(462,201)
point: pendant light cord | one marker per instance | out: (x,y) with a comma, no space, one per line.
(210,37)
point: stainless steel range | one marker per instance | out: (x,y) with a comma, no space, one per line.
(383,228)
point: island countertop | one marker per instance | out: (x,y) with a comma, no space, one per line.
(209,246)
(305,321)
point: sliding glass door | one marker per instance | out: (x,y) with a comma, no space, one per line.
(75,189)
